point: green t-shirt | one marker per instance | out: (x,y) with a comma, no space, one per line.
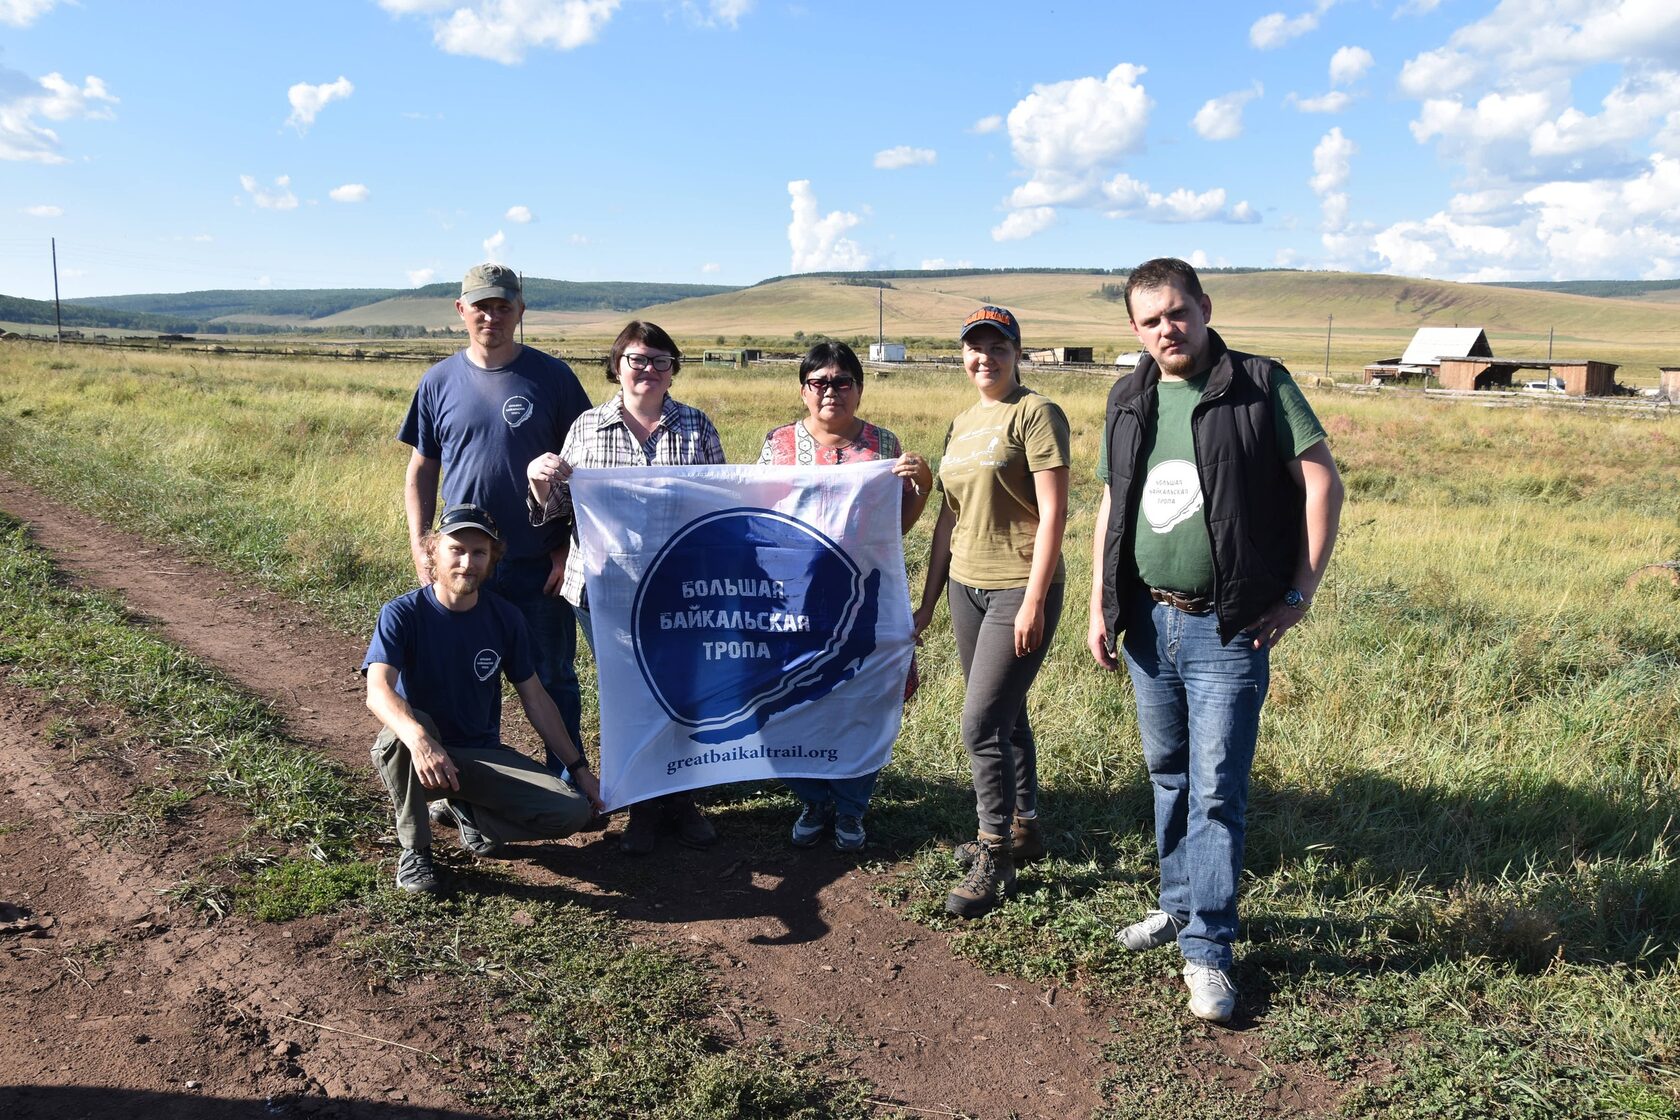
(1169,531)
(986,473)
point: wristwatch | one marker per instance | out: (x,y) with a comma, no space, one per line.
(1294,600)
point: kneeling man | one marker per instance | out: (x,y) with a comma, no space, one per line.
(434,676)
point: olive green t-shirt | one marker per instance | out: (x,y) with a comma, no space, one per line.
(991,453)
(1169,532)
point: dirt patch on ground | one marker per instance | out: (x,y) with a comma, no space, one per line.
(113,996)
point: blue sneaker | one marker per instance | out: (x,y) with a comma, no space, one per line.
(812,823)
(848,834)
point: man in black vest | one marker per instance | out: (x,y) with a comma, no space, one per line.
(1219,513)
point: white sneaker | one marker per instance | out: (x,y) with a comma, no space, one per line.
(1212,995)
(1154,930)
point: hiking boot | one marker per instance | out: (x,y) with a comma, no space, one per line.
(848,834)
(1026,844)
(1212,995)
(990,875)
(641,832)
(415,872)
(693,829)
(472,839)
(1152,931)
(812,823)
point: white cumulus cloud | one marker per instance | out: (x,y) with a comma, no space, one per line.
(280,198)
(816,238)
(503,30)
(1133,198)
(493,246)
(934,264)
(520,214)
(1064,134)
(985,125)
(44,211)
(22,136)
(1274,30)
(420,277)
(711,267)
(1022,224)
(22,13)
(1220,118)
(718,13)
(307,101)
(349,192)
(891,159)
(1333,102)
(1349,64)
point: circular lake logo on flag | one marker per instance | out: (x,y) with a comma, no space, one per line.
(517,410)
(748,612)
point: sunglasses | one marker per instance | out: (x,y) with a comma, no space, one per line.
(821,385)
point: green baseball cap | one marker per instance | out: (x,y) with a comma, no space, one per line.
(490,281)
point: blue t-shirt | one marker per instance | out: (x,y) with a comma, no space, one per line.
(450,664)
(485,427)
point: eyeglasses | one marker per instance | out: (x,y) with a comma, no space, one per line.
(661,363)
(834,385)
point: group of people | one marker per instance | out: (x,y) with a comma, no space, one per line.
(1219,512)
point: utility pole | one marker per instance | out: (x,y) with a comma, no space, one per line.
(58,314)
(522,300)
(1549,332)
(1329,325)
(881,318)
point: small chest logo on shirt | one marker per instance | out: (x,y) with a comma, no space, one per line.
(517,410)
(486,663)
(1172,494)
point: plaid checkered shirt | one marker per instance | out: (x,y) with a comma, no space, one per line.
(683,436)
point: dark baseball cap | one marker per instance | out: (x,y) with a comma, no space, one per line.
(459,517)
(490,281)
(998,318)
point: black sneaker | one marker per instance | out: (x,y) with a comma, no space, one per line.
(415,872)
(472,839)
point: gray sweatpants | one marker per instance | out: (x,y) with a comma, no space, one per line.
(512,797)
(995,727)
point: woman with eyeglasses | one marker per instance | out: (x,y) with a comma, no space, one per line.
(997,554)
(642,425)
(832,432)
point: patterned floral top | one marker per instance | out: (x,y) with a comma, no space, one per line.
(792,445)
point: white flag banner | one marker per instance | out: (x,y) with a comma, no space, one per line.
(748,622)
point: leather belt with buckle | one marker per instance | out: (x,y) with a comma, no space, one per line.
(1189,604)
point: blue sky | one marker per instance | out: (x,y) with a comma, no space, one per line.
(173,146)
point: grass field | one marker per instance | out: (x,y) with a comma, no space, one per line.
(1463,888)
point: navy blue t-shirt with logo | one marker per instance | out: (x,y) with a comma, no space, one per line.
(450,664)
(486,425)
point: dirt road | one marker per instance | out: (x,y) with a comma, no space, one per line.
(113,998)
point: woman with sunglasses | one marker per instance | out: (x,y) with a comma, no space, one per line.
(832,432)
(997,553)
(642,425)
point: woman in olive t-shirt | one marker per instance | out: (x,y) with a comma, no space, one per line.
(997,551)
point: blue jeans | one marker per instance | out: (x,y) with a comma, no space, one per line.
(1198,712)
(553,636)
(850,795)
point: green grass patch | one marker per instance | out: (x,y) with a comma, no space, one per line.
(81,650)
(295,888)
(610,1028)
(1465,801)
